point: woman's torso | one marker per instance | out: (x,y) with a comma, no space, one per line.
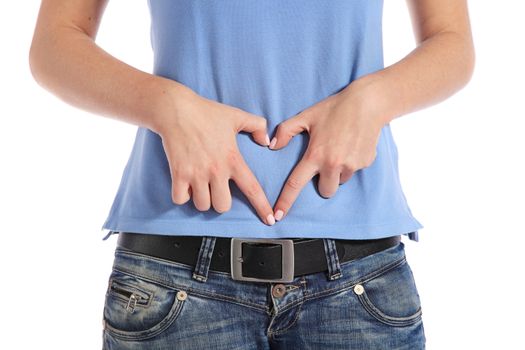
(272,58)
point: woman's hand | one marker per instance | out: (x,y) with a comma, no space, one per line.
(343,133)
(199,139)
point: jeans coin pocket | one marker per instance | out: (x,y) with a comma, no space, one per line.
(136,309)
(391,296)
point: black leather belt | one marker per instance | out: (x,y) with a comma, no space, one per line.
(261,260)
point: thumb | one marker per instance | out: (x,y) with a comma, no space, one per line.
(288,129)
(255,125)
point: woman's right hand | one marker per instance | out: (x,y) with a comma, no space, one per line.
(199,139)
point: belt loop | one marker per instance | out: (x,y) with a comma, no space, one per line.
(202,266)
(332,259)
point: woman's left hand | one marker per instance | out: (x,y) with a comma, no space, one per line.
(343,130)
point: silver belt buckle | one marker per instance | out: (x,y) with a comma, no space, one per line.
(287,261)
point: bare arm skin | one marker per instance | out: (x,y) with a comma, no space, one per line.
(345,127)
(198,134)
(65,60)
(441,65)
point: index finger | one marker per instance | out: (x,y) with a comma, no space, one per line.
(249,185)
(303,172)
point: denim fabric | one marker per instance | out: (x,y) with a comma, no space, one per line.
(367,303)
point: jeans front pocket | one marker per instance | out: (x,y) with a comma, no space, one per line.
(391,296)
(137,309)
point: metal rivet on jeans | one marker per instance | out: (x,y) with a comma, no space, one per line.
(181,295)
(359,289)
(278,290)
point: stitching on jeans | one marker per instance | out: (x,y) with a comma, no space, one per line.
(384,318)
(199,266)
(334,266)
(282,330)
(201,278)
(344,287)
(157,329)
(290,287)
(340,288)
(123,299)
(193,291)
(373,274)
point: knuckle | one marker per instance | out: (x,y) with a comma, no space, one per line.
(222,208)
(200,177)
(282,128)
(263,122)
(350,166)
(326,194)
(253,190)
(242,119)
(178,199)
(239,172)
(313,155)
(233,158)
(183,173)
(214,169)
(201,206)
(293,183)
(333,162)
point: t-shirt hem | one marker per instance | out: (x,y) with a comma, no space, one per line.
(280,229)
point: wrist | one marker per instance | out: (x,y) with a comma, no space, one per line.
(169,100)
(378,96)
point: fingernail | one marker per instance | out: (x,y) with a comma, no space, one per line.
(267,140)
(279,214)
(270,219)
(272,144)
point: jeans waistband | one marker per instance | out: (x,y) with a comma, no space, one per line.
(221,285)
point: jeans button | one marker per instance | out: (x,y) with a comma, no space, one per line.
(278,290)
(358,289)
(181,295)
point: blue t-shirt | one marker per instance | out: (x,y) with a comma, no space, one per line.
(272,58)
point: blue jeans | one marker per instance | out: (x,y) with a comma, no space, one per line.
(367,303)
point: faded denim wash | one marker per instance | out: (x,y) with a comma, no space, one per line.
(370,303)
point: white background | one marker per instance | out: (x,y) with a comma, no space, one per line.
(461,165)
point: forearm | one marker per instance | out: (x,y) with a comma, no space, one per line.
(68,63)
(435,70)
